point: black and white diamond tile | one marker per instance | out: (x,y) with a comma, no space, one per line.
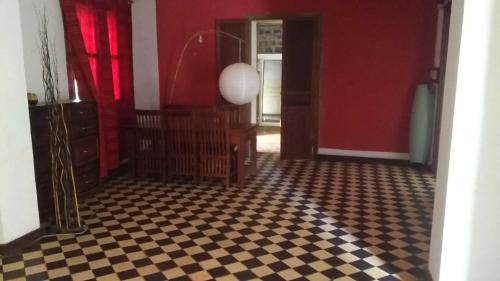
(294,220)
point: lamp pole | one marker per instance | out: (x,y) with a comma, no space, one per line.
(200,38)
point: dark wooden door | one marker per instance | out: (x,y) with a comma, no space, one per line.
(229,52)
(300,85)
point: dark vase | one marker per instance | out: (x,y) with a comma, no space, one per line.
(32,99)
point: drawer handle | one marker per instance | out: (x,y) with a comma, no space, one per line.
(85,128)
(85,151)
(81,112)
(87,182)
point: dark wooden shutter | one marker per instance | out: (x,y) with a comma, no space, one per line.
(440,88)
(299,88)
(228,52)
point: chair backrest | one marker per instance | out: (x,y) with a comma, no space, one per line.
(149,142)
(232,112)
(213,133)
(148,118)
(185,108)
(149,130)
(180,141)
(213,144)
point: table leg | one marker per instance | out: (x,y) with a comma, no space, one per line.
(241,163)
(253,156)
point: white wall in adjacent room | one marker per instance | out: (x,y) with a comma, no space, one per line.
(466,227)
(29,22)
(145,55)
(18,203)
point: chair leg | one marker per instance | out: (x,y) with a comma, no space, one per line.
(164,173)
(134,170)
(140,168)
(196,174)
(196,179)
(164,166)
(170,176)
(228,172)
(168,169)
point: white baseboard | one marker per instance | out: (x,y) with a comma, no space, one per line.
(366,154)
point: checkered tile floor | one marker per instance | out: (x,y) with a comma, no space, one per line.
(295,220)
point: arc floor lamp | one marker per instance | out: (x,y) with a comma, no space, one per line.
(239,82)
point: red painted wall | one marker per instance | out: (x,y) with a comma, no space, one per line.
(374,55)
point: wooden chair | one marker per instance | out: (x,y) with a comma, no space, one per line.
(214,146)
(232,112)
(181,144)
(149,143)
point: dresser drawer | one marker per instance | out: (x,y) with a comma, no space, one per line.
(85,150)
(39,115)
(40,136)
(44,184)
(41,159)
(84,127)
(45,200)
(39,120)
(87,178)
(83,110)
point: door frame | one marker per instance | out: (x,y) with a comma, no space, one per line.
(317,66)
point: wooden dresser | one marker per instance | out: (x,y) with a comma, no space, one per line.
(81,119)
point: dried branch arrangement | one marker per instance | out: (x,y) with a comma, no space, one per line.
(67,216)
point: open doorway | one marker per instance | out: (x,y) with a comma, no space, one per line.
(295,113)
(267,37)
(269,99)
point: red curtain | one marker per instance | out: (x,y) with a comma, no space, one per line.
(88,20)
(126,111)
(95,60)
(113,50)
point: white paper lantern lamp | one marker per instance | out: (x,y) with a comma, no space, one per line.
(239,83)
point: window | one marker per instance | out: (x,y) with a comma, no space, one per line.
(113,50)
(88,23)
(87,18)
